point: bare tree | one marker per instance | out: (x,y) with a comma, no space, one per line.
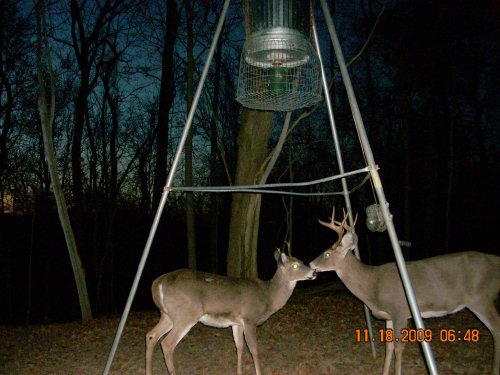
(47,120)
(6,106)
(188,150)
(255,133)
(90,27)
(167,95)
(253,139)
(15,83)
(213,205)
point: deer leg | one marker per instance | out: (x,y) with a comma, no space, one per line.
(488,314)
(389,350)
(250,331)
(168,345)
(398,350)
(163,326)
(238,341)
(399,346)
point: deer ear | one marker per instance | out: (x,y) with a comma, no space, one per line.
(277,254)
(283,258)
(349,241)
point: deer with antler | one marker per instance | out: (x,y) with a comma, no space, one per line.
(443,285)
(186,297)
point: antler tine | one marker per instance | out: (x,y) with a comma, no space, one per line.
(332,218)
(289,247)
(335,225)
(348,227)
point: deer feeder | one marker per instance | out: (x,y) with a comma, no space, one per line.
(279,67)
(374,219)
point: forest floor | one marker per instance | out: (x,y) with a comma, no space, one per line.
(313,334)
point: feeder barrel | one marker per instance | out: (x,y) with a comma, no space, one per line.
(267,14)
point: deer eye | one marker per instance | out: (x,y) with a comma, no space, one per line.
(327,254)
(295,266)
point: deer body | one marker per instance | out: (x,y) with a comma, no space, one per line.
(432,275)
(186,297)
(443,285)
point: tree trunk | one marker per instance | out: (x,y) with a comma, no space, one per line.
(76,148)
(5,109)
(46,122)
(105,300)
(450,115)
(188,150)
(255,132)
(449,183)
(253,139)
(4,152)
(167,95)
(213,206)
(407,126)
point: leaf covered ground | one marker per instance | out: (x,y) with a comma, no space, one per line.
(313,334)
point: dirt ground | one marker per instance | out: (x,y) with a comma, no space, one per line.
(313,334)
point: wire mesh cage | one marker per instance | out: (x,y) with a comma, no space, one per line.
(279,68)
(374,218)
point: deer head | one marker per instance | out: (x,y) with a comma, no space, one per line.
(293,269)
(332,258)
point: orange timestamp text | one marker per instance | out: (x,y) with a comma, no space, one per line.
(418,335)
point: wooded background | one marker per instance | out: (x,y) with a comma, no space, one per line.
(427,82)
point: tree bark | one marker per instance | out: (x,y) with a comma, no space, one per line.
(255,132)
(46,122)
(213,206)
(5,109)
(87,43)
(188,149)
(76,148)
(167,95)
(7,123)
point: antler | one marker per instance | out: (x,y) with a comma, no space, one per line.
(346,226)
(339,226)
(335,225)
(289,247)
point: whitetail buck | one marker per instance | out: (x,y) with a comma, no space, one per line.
(186,297)
(443,285)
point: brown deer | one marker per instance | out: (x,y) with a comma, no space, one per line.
(443,285)
(186,297)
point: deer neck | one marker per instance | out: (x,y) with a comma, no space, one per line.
(357,277)
(280,289)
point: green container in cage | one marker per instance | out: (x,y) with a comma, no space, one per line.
(278,81)
(279,67)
